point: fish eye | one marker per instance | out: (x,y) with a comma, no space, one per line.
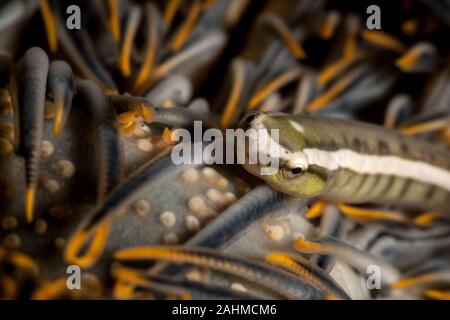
(297,170)
(294,172)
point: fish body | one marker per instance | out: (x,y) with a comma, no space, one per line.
(348,161)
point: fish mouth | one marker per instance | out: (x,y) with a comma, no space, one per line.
(256,167)
(252,161)
(252,120)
